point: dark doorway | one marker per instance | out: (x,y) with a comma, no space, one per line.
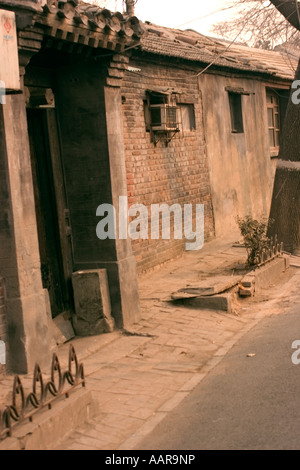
(51,209)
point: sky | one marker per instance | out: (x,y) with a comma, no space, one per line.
(194,14)
(181,14)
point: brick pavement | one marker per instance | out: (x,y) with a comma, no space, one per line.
(140,377)
(137,377)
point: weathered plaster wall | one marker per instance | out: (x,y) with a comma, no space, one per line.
(156,175)
(240,166)
(27,320)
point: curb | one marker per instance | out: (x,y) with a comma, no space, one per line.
(264,276)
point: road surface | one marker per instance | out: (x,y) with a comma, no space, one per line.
(249,401)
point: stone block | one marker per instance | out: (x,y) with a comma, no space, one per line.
(247,286)
(63,329)
(246,291)
(248,281)
(92,303)
(218,302)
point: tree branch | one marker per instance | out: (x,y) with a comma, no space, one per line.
(289,10)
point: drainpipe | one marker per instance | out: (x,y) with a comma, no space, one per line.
(130,7)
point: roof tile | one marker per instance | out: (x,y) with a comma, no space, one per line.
(196,47)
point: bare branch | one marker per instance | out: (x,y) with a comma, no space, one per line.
(288,8)
(264,25)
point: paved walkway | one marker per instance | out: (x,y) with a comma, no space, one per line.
(137,377)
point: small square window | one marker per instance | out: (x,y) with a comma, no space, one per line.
(236,112)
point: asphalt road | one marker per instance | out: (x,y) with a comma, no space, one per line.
(244,403)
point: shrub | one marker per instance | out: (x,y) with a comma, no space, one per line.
(255,237)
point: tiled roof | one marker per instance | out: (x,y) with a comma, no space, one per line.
(94,26)
(78,21)
(193,46)
(105,20)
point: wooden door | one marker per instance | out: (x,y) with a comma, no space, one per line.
(54,230)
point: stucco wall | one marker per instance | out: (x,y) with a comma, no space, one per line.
(240,166)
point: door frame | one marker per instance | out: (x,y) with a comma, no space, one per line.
(52,141)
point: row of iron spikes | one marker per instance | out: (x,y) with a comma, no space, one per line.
(37,373)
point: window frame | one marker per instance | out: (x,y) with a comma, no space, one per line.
(236,112)
(273,106)
(191,113)
(153,98)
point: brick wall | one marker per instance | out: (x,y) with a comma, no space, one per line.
(3,324)
(177,173)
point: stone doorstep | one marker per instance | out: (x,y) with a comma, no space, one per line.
(49,427)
